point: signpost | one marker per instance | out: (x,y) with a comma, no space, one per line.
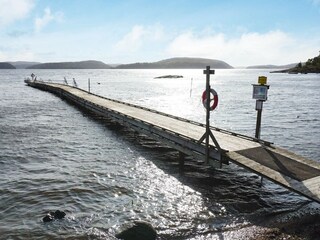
(260,93)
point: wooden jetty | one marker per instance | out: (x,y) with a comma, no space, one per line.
(294,172)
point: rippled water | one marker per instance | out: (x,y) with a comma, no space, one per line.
(55,156)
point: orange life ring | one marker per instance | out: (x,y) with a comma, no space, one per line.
(214,99)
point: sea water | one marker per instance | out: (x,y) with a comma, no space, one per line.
(55,156)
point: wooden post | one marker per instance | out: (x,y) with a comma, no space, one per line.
(208,72)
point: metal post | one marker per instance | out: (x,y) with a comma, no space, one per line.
(88,84)
(260,93)
(258,123)
(258,126)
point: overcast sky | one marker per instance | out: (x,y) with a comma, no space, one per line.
(240,32)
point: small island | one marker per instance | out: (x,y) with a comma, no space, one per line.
(170,76)
(311,66)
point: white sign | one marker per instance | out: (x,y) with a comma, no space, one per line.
(260,92)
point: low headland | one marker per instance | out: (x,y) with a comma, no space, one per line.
(5,65)
(91,64)
(310,66)
(270,66)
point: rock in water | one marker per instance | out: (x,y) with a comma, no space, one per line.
(170,76)
(137,230)
(53,216)
(59,214)
(47,218)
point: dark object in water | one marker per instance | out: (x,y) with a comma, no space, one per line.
(137,230)
(170,76)
(53,216)
(47,218)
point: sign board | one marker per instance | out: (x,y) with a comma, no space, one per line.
(260,92)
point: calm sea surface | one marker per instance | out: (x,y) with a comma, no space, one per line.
(55,156)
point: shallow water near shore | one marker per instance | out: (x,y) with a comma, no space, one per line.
(56,156)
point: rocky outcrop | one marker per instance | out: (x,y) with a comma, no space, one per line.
(311,66)
(137,230)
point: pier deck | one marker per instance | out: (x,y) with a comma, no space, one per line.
(294,172)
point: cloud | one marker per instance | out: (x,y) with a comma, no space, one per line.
(48,17)
(274,47)
(132,40)
(12,10)
(139,36)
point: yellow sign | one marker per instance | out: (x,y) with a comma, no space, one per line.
(262,80)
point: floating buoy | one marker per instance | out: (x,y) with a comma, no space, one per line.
(214,99)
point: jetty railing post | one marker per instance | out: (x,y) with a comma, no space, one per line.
(88,84)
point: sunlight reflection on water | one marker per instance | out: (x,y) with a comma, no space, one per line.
(54,156)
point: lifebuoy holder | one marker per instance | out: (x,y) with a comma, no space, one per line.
(214,99)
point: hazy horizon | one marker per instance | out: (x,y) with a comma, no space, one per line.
(117,64)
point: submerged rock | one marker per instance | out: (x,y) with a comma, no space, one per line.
(137,230)
(54,216)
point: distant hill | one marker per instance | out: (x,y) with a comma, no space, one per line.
(5,65)
(272,66)
(311,66)
(178,63)
(23,64)
(72,65)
